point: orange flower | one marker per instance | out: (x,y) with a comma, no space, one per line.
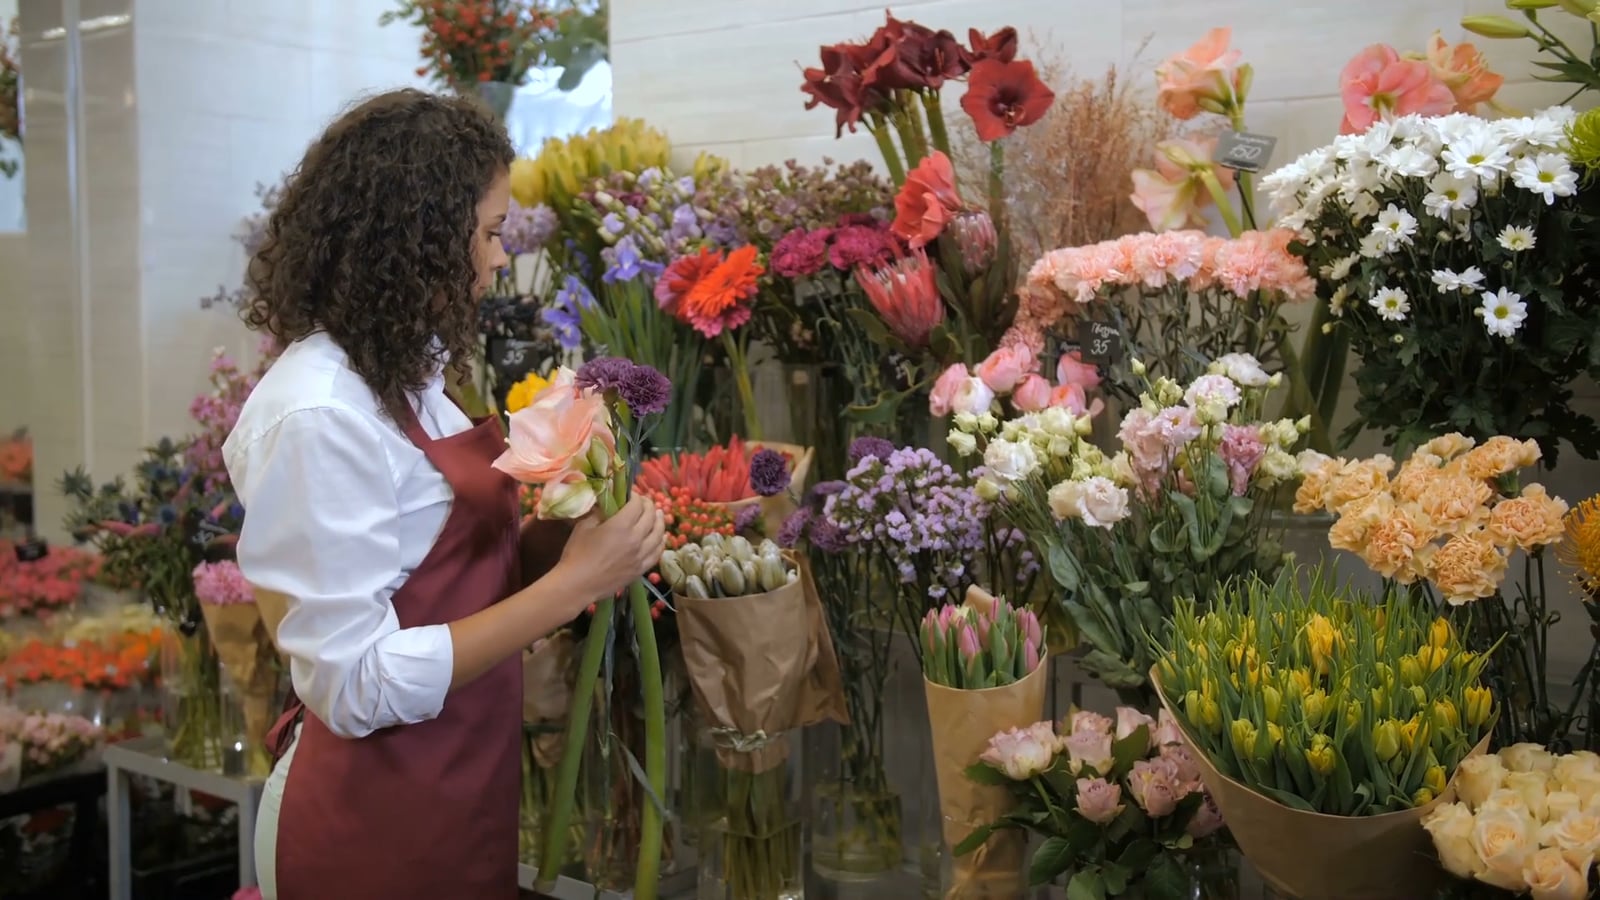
(1454,501)
(1207,76)
(719,298)
(1468,567)
(1581,549)
(681,276)
(1464,71)
(1531,520)
(1398,546)
(927,202)
(1377,83)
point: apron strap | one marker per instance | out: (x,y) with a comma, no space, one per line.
(281,735)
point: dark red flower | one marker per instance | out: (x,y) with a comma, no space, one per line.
(1002,45)
(921,58)
(841,84)
(1004,96)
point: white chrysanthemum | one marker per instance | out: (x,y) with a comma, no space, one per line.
(1466,281)
(1397,225)
(1336,303)
(1449,193)
(1391,303)
(1532,131)
(1516,238)
(1454,126)
(1408,161)
(1339,269)
(1479,154)
(1503,312)
(1548,174)
(1377,244)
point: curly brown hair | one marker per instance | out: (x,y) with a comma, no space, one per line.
(372,238)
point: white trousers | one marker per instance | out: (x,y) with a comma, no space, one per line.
(267,823)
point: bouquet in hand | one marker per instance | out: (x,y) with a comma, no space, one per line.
(1118,803)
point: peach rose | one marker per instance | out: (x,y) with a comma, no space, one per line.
(945,388)
(1580,775)
(1503,839)
(1577,836)
(1531,520)
(1456,501)
(552,436)
(1534,788)
(1005,367)
(1468,567)
(1450,826)
(1552,876)
(1399,545)
(1479,776)
(1031,394)
(1500,455)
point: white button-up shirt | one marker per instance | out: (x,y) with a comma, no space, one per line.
(340,507)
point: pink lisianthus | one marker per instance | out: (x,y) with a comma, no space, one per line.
(1021,753)
(1377,83)
(1006,366)
(1099,801)
(563,432)
(221,584)
(1241,450)
(1206,77)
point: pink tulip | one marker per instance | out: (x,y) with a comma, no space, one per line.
(1029,623)
(1032,393)
(1030,654)
(967,642)
(945,388)
(1099,800)
(550,438)
(1005,367)
(1377,83)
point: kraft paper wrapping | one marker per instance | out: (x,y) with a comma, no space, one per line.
(244,647)
(753,674)
(779,507)
(548,674)
(273,607)
(962,723)
(1316,856)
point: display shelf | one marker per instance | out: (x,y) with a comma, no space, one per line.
(148,757)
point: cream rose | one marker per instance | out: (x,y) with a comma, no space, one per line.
(1102,503)
(1560,804)
(1552,877)
(1535,790)
(1478,777)
(1577,836)
(1580,774)
(1450,825)
(1527,758)
(1503,839)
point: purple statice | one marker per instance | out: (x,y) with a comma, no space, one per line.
(646,391)
(769,472)
(863,447)
(528,230)
(919,513)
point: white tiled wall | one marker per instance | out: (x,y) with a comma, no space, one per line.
(182,109)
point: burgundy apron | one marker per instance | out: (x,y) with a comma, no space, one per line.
(425,811)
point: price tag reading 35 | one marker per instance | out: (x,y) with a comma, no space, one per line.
(1243,151)
(1102,345)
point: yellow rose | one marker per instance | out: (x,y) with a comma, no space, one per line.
(1531,520)
(1503,839)
(1551,876)
(1450,826)
(1534,788)
(1526,757)
(1477,777)
(1577,836)
(1446,446)
(1468,567)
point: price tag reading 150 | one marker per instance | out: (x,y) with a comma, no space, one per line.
(1243,151)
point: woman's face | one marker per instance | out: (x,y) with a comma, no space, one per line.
(487,252)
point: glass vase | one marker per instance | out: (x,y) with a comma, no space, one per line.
(613,799)
(750,848)
(856,818)
(192,700)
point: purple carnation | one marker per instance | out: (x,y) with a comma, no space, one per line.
(646,391)
(827,536)
(863,447)
(794,528)
(603,374)
(769,472)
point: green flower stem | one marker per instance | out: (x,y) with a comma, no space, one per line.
(737,360)
(1300,401)
(997,184)
(932,105)
(648,874)
(557,830)
(909,142)
(891,154)
(1220,197)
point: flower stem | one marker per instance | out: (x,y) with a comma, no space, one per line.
(556,829)
(891,154)
(1220,197)
(932,106)
(741,379)
(655,744)
(997,184)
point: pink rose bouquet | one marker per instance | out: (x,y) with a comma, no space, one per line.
(1119,803)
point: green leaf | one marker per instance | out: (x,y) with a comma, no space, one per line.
(983,773)
(870,323)
(584,57)
(1115,877)
(1165,879)
(1085,885)
(1291,800)
(974,840)
(1131,749)
(1062,568)
(1053,857)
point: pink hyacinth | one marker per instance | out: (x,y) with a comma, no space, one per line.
(222,584)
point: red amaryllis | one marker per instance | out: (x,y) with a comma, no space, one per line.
(927,201)
(1004,96)
(1002,45)
(920,58)
(906,295)
(846,83)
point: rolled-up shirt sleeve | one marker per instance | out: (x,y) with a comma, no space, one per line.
(322,528)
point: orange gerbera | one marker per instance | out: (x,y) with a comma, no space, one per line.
(681,277)
(719,297)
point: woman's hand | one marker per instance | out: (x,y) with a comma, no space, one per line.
(606,556)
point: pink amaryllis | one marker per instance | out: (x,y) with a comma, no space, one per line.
(1378,83)
(562,440)
(905,294)
(1205,77)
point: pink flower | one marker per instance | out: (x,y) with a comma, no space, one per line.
(860,245)
(1073,399)
(1173,195)
(1031,394)
(1167,730)
(1086,722)
(1377,83)
(1021,753)
(906,296)
(1071,369)
(1242,450)
(927,201)
(972,396)
(1464,71)
(249,893)
(1005,367)
(943,395)
(1204,77)
(1130,720)
(1099,800)
(221,584)
(1188,771)
(552,437)
(967,642)
(1206,820)
(1167,256)
(1155,786)
(1088,750)
(800,252)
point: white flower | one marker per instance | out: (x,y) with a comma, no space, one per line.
(1376,244)
(1466,281)
(1449,193)
(1244,369)
(1337,301)
(1339,269)
(973,396)
(1096,501)
(1392,304)
(1363,206)
(1409,161)
(962,443)
(1010,460)
(1478,154)
(1212,390)
(1396,227)
(1516,238)
(1535,131)
(1548,175)
(1503,312)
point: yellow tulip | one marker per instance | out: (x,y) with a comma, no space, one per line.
(1479,705)
(1432,657)
(1410,670)
(1411,732)
(1274,733)
(1422,797)
(1419,695)
(1301,679)
(1272,702)
(1320,755)
(1386,740)
(1323,640)
(1440,633)
(1445,716)
(1433,779)
(1314,706)
(1352,715)
(1243,733)
(1202,711)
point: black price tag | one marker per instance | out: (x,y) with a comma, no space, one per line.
(512,359)
(1243,151)
(206,532)
(1100,343)
(32,550)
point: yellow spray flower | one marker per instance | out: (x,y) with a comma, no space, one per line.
(523,392)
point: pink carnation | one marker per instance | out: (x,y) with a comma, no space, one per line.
(800,252)
(860,245)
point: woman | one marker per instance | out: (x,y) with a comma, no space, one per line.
(371,507)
